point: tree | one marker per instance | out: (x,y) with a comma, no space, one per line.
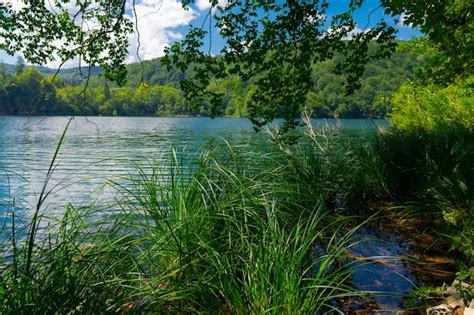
(449,27)
(274,43)
(3,72)
(431,107)
(94,31)
(107,94)
(27,91)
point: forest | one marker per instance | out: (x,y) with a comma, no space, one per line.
(186,218)
(152,90)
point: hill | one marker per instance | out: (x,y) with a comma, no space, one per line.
(152,90)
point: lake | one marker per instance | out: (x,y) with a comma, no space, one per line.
(97,149)
(100,148)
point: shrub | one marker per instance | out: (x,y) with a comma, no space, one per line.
(432,106)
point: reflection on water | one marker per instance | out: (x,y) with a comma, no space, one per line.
(391,263)
(383,269)
(101,148)
(97,149)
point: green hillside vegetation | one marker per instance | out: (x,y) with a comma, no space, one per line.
(152,90)
(432,107)
(266,225)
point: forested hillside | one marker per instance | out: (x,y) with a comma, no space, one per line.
(152,90)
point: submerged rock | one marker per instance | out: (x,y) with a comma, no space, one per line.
(455,301)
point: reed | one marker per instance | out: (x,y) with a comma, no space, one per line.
(228,230)
(256,228)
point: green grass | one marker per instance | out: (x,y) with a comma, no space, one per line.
(430,173)
(247,229)
(231,231)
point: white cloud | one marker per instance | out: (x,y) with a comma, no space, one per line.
(203,5)
(157,23)
(402,21)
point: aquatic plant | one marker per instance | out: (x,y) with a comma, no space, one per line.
(228,230)
(249,228)
(429,172)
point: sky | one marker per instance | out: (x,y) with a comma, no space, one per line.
(162,22)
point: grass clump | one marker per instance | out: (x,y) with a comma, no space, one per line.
(431,174)
(249,228)
(231,231)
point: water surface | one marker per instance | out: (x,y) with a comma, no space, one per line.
(101,148)
(97,149)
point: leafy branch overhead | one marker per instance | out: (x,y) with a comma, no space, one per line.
(275,44)
(449,28)
(271,43)
(95,31)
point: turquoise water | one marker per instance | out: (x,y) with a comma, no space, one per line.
(97,149)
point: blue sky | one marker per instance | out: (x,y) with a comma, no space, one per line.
(161,22)
(339,6)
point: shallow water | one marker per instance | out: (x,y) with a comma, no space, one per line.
(97,149)
(392,261)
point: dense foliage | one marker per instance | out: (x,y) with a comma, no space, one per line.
(428,151)
(27,93)
(152,90)
(275,43)
(270,42)
(433,107)
(449,27)
(428,169)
